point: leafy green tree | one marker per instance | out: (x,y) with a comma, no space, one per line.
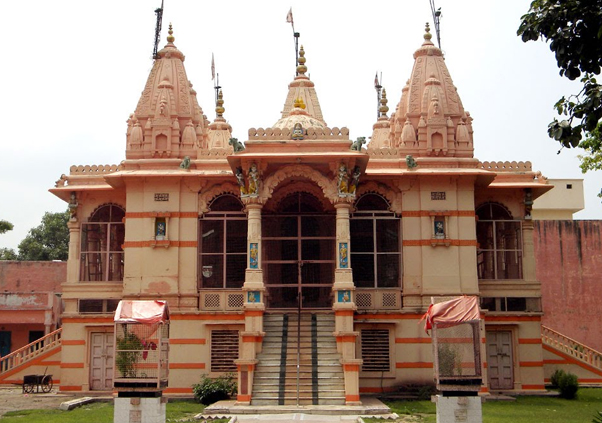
(574,30)
(5,226)
(8,254)
(49,240)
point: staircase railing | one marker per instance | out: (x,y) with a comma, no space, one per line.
(570,347)
(30,351)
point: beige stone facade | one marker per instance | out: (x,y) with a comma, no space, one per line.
(302,220)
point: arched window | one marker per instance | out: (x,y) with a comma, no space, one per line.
(500,251)
(223,244)
(375,244)
(101,241)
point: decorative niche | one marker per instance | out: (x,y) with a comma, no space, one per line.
(160,230)
(440,228)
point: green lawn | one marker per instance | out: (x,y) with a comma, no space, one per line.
(98,413)
(526,409)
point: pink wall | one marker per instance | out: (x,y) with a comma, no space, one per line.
(24,276)
(569,265)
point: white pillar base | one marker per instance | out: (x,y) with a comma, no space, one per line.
(459,409)
(139,410)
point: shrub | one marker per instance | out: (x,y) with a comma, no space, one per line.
(126,360)
(213,390)
(556,378)
(568,385)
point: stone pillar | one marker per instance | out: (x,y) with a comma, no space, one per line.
(73,261)
(254,306)
(528,251)
(344,306)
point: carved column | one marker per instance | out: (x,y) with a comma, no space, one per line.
(344,304)
(254,305)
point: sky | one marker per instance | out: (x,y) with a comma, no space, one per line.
(73,71)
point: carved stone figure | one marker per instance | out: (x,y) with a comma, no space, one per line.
(355,180)
(343,180)
(357,144)
(185,163)
(236,145)
(298,132)
(240,178)
(73,205)
(253,180)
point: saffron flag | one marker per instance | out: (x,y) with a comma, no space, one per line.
(289,16)
(212,67)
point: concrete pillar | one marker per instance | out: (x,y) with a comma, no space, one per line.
(254,306)
(344,306)
(528,252)
(73,262)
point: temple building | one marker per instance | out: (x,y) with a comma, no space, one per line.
(301,246)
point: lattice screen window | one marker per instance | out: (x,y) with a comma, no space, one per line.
(376,351)
(224,350)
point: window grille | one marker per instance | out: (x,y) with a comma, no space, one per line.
(224,350)
(376,351)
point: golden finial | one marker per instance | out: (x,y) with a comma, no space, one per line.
(383,109)
(299,103)
(301,68)
(219,109)
(427,34)
(170,37)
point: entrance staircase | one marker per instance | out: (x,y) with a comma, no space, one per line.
(299,368)
(15,363)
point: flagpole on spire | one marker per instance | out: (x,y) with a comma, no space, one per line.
(159,13)
(215,79)
(378,87)
(289,19)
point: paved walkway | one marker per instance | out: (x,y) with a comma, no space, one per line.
(296,417)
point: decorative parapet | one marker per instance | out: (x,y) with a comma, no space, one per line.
(94,169)
(279,134)
(506,166)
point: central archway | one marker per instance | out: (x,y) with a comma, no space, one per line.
(299,255)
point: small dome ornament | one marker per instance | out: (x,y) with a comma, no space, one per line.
(299,103)
(427,33)
(170,37)
(301,68)
(219,108)
(383,109)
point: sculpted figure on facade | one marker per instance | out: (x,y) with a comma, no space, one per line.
(253,180)
(343,180)
(357,144)
(355,180)
(236,145)
(240,179)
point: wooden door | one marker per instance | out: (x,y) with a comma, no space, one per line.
(499,360)
(101,361)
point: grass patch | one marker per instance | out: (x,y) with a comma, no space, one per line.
(177,411)
(526,409)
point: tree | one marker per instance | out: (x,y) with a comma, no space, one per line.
(574,29)
(5,226)
(49,240)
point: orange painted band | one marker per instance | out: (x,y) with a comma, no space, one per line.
(243,398)
(513,318)
(416,365)
(69,388)
(343,312)
(254,313)
(426,242)
(484,389)
(188,341)
(540,387)
(347,338)
(529,340)
(570,360)
(88,320)
(353,398)
(251,338)
(72,365)
(530,363)
(427,213)
(73,342)
(412,340)
(388,316)
(351,367)
(245,367)
(178,390)
(186,366)
(139,215)
(207,317)
(143,244)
